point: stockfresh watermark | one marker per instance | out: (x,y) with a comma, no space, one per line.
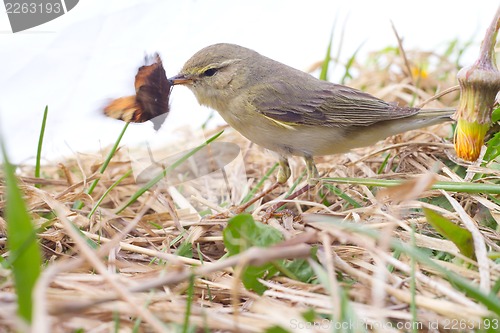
(455,325)
(26,14)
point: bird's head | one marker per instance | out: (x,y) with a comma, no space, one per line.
(216,73)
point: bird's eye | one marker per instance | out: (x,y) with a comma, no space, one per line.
(210,72)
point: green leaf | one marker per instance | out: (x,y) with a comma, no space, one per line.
(301,270)
(493,148)
(25,256)
(252,274)
(242,233)
(276,329)
(439,201)
(309,315)
(461,237)
(495,115)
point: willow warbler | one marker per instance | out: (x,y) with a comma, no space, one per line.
(291,112)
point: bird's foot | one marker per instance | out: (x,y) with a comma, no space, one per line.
(284,171)
(312,172)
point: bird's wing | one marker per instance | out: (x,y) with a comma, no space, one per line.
(328,104)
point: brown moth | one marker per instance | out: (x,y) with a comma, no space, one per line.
(151,101)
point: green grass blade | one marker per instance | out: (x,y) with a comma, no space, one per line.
(163,173)
(452,45)
(496,287)
(340,44)
(189,304)
(464,187)
(254,190)
(413,284)
(384,163)
(116,320)
(338,192)
(210,116)
(350,62)
(492,302)
(461,237)
(25,256)
(396,254)
(40,143)
(128,173)
(347,314)
(79,204)
(326,62)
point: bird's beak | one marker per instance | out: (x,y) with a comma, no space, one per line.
(179,79)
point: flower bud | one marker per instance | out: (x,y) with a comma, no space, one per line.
(479,85)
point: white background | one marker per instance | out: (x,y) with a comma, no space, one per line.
(78,62)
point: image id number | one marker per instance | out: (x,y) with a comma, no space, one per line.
(461,324)
(32,8)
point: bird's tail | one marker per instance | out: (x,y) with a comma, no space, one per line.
(428,117)
(436,113)
(424,118)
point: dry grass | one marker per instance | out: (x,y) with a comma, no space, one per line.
(135,278)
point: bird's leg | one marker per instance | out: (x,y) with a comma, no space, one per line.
(312,172)
(284,170)
(312,177)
